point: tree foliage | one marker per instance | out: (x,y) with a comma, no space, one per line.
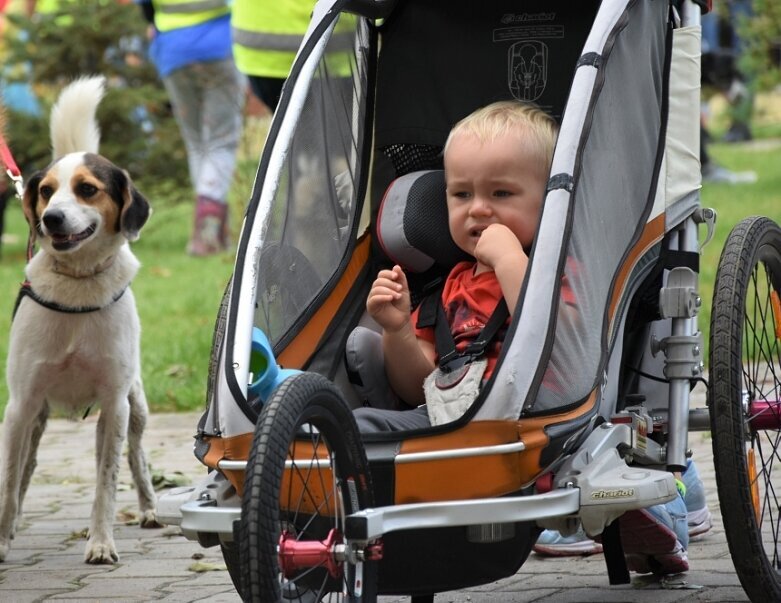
(761,35)
(90,37)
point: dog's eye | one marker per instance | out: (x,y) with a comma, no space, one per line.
(46,192)
(86,190)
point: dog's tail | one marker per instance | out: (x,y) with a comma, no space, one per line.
(73,124)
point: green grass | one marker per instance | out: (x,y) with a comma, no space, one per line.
(735,202)
(178,296)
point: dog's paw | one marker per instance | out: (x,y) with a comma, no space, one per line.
(4,546)
(148,520)
(101,553)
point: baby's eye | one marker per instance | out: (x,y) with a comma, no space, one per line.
(462,195)
(502,193)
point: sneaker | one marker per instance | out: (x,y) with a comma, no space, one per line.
(716,174)
(552,544)
(698,517)
(655,539)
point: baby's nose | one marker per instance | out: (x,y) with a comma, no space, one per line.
(480,205)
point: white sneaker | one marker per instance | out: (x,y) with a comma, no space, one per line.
(552,544)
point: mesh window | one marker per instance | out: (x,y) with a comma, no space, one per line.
(613,193)
(408,158)
(312,215)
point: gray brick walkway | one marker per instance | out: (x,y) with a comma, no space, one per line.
(45,562)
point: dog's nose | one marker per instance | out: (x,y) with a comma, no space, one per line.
(53,219)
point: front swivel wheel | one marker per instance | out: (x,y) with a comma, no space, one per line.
(307,471)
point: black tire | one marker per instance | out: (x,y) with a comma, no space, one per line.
(217,338)
(304,413)
(745,378)
(230,554)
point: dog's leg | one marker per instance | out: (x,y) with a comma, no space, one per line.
(110,435)
(32,453)
(18,431)
(138,467)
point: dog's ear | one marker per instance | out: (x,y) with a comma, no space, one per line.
(30,200)
(134,212)
(133,206)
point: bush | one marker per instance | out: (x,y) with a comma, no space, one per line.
(96,37)
(762,37)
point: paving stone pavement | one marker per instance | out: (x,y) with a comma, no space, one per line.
(45,562)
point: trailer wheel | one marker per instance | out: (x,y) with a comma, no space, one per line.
(307,471)
(745,402)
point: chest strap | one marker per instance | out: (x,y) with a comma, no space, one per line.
(432,314)
(26,290)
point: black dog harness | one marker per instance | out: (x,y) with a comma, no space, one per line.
(26,290)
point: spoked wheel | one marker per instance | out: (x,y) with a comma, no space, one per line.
(307,471)
(745,398)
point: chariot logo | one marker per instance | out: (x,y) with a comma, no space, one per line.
(509,18)
(527,65)
(609,494)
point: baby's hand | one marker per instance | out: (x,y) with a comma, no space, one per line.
(498,243)
(389,301)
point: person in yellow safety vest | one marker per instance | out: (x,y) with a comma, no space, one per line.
(50,7)
(191,48)
(42,6)
(266,36)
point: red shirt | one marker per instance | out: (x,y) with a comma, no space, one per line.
(469,300)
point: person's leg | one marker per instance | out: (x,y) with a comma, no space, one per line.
(223,92)
(185,98)
(373,420)
(267,89)
(698,516)
(213,140)
(741,92)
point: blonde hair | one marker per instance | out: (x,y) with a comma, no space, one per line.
(497,119)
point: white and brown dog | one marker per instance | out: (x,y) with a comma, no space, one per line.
(75,334)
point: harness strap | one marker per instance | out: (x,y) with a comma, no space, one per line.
(26,290)
(449,357)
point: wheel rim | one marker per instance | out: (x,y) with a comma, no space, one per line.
(761,369)
(307,473)
(312,516)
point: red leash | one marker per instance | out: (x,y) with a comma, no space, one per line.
(15,174)
(13,171)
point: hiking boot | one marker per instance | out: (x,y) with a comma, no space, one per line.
(210,231)
(552,544)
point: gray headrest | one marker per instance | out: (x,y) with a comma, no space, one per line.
(412,225)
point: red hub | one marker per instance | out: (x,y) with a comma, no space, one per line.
(764,415)
(295,555)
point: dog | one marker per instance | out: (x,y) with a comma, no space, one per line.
(75,335)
